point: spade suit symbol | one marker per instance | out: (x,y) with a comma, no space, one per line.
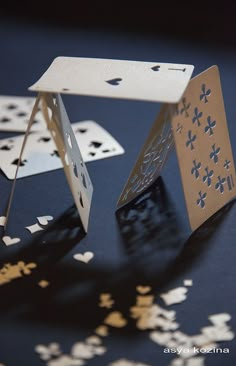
(114,82)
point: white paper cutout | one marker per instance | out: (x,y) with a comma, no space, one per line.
(34,228)
(85,257)
(7,240)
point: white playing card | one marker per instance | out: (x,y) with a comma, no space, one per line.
(41,155)
(150,81)
(74,166)
(15,113)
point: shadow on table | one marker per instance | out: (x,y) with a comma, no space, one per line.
(156,253)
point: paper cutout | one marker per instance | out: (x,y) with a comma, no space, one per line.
(43,220)
(143,289)
(34,228)
(175,296)
(85,258)
(198,125)
(188,282)
(106,301)
(115,319)
(46,352)
(7,240)
(102,331)
(115,79)
(10,272)
(2,220)
(43,283)
(125,362)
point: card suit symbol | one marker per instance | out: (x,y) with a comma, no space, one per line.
(115,319)
(143,289)
(43,283)
(214,153)
(201,199)
(208,177)
(82,350)
(84,180)
(85,258)
(6,148)
(10,241)
(34,121)
(5,120)
(106,301)
(44,139)
(114,82)
(75,170)
(174,296)
(69,140)
(55,153)
(12,106)
(81,200)
(156,68)
(191,139)
(34,228)
(210,125)
(94,340)
(43,220)
(220,184)
(48,352)
(102,330)
(195,169)
(22,163)
(205,93)
(92,153)
(21,114)
(95,144)
(106,151)
(227,164)
(81,130)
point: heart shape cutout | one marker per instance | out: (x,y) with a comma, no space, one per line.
(114,82)
(143,289)
(85,258)
(116,320)
(10,241)
(43,220)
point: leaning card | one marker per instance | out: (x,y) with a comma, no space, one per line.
(41,155)
(203,148)
(15,113)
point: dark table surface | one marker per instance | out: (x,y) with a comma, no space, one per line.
(67,311)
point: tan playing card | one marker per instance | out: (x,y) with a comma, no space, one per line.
(151,159)
(203,148)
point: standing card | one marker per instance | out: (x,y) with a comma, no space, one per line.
(41,155)
(75,169)
(203,148)
(15,113)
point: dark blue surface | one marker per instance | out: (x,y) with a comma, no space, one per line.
(67,311)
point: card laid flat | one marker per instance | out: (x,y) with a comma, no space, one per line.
(15,113)
(151,159)
(150,81)
(41,155)
(203,147)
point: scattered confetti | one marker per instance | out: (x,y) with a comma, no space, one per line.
(188,282)
(102,331)
(43,283)
(43,220)
(85,258)
(46,352)
(11,272)
(65,360)
(34,228)
(143,289)
(175,296)
(115,319)
(7,240)
(106,301)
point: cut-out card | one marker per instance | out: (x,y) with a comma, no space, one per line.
(147,81)
(40,153)
(198,126)
(15,113)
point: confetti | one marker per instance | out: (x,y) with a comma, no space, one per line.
(47,352)
(143,289)
(85,258)
(10,272)
(125,362)
(174,296)
(43,220)
(2,223)
(43,283)
(34,228)
(102,330)
(106,301)
(7,240)
(188,282)
(115,319)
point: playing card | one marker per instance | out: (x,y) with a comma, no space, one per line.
(151,158)
(77,175)
(203,148)
(151,81)
(15,113)
(41,155)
